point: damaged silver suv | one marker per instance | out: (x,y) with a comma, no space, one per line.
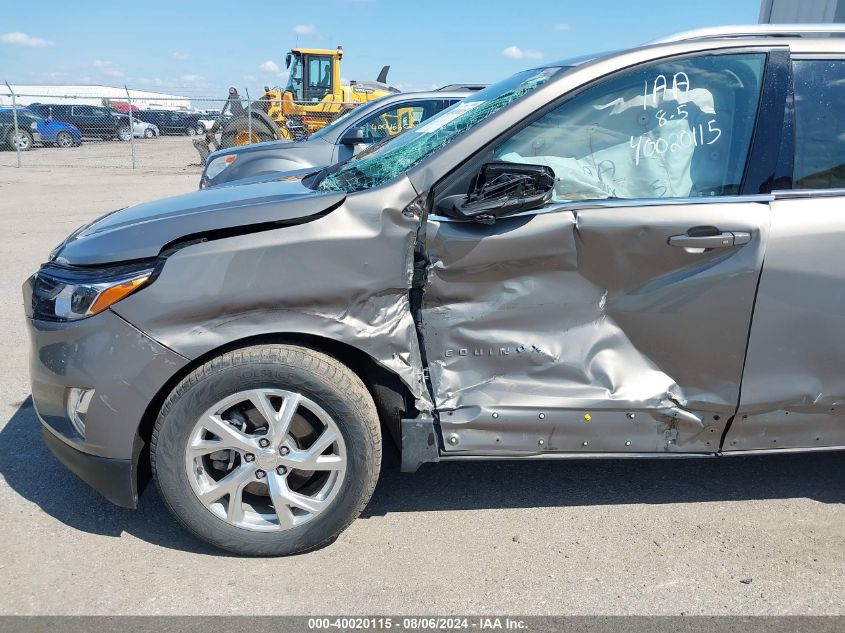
(634,255)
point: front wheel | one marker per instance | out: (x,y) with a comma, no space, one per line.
(267,450)
(191,131)
(124,134)
(148,133)
(64,139)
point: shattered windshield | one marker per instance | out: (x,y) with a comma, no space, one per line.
(408,149)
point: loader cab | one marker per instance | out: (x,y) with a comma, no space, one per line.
(314,74)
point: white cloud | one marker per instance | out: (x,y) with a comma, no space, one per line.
(191,79)
(305,29)
(22,39)
(179,56)
(270,66)
(107,68)
(515,52)
(562,26)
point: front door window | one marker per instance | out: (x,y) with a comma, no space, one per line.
(674,129)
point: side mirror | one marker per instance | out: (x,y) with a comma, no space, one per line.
(353,136)
(502,189)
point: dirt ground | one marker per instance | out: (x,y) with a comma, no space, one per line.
(720,536)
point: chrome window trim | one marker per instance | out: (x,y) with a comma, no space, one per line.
(628,202)
(786,194)
(821,57)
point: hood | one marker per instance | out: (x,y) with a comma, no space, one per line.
(275,176)
(261,147)
(142,231)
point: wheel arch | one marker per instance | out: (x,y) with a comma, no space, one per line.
(392,397)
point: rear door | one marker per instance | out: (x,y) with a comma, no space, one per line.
(793,391)
(82,116)
(616,318)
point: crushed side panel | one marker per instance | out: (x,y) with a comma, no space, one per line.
(585,331)
(344,277)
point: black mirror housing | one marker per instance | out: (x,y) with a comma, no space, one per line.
(353,136)
(502,189)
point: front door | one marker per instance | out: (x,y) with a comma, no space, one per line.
(616,318)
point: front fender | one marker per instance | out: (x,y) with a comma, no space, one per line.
(345,276)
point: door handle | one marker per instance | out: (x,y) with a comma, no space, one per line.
(720,240)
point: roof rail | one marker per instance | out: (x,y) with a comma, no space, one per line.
(470,87)
(755,30)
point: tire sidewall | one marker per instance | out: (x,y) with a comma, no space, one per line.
(174,428)
(64,135)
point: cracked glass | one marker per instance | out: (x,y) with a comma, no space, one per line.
(401,154)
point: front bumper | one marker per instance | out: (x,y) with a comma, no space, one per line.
(125,368)
(115,479)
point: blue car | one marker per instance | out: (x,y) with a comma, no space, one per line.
(52,132)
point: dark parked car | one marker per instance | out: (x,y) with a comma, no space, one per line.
(27,133)
(91,121)
(343,138)
(51,132)
(172,122)
(634,255)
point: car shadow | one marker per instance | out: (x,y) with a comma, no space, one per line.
(31,471)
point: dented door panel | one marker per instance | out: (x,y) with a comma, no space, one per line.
(793,390)
(582,329)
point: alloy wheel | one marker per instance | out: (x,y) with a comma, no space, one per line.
(266,459)
(64,139)
(21,140)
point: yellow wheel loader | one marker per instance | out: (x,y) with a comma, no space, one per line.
(312,98)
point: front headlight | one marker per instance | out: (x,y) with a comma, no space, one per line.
(220,163)
(67,294)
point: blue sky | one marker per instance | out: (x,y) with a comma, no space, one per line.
(200,48)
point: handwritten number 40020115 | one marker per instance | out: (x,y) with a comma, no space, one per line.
(696,135)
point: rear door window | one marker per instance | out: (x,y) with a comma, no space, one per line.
(819,124)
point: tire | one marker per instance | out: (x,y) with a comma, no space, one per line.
(327,388)
(191,131)
(237,132)
(64,139)
(21,139)
(148,133)
(124,134)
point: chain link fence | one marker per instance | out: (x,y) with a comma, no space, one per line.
(125,128)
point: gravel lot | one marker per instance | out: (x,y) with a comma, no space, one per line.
(722,536)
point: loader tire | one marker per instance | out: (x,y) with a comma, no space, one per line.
(237,132)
